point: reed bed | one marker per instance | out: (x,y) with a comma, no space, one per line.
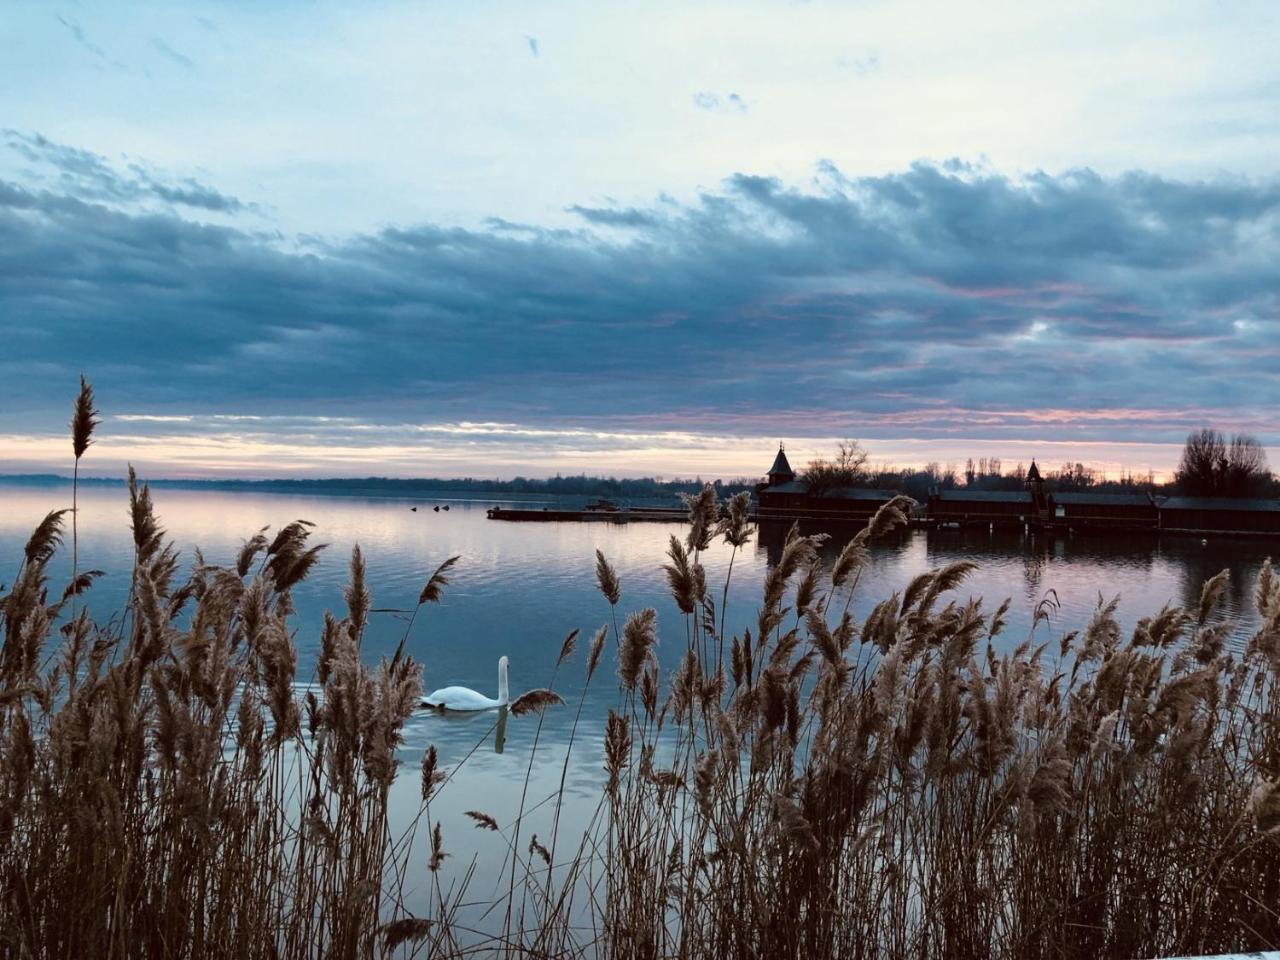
(911,783)
(897,787)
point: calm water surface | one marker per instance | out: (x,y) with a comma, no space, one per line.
(521,587)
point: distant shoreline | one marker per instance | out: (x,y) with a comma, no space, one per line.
(521,489)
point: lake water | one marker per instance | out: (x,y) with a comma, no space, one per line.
(521,587)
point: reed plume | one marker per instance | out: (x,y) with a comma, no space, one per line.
(638,639)
(534,701)
(568,646)
(597,648)
(483,820)
(607,580)
(433,589)
(704,511)
(84,419)
(45,538)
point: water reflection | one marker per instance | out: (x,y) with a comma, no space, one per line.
(771,538)
(521,587)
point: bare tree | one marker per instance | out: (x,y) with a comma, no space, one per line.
(1248,473)
(848,469)
(1212,466)
(1075,477)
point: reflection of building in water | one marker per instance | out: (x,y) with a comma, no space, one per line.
(1197,562)
(784,496)
(1038,548)
(771,537)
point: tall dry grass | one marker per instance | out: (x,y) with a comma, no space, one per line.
(906,784)
(163,792)
(897,787)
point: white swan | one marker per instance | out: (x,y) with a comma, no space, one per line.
(464,698)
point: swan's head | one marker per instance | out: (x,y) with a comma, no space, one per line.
(503,661)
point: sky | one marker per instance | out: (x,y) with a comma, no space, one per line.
(499,239)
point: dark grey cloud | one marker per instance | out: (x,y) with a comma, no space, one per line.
(89,176)
(939,300)
(611,217)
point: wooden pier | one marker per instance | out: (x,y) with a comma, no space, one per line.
(557,515)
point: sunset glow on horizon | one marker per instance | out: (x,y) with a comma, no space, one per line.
(494,452)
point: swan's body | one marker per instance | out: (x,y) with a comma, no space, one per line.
(464,698)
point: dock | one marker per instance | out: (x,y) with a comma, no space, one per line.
(624,515)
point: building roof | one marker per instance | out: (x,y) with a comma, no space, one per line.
(1034,472)
(1220,503)
(973,496)
(781,468)
(1103,499)
(801,488)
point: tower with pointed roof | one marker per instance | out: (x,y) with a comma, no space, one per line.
(781,471)
(1035,486)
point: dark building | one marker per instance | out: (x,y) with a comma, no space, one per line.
(966,506)
(1105,509)
(1220,515)
(981,506)
(783,497)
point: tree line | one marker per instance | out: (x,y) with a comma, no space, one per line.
(1211,465)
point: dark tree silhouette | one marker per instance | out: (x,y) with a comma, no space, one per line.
(1074,478)
(1248,474)
(1212,466)
(848,469)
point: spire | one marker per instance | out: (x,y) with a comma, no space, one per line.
(781,471)
(1034,473)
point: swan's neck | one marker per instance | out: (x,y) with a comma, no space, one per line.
(503,696)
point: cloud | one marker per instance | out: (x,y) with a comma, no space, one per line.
(610,217)
(82,38)
(715,103)
(166,51)
(936,302)
(89,176)
(862,64)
